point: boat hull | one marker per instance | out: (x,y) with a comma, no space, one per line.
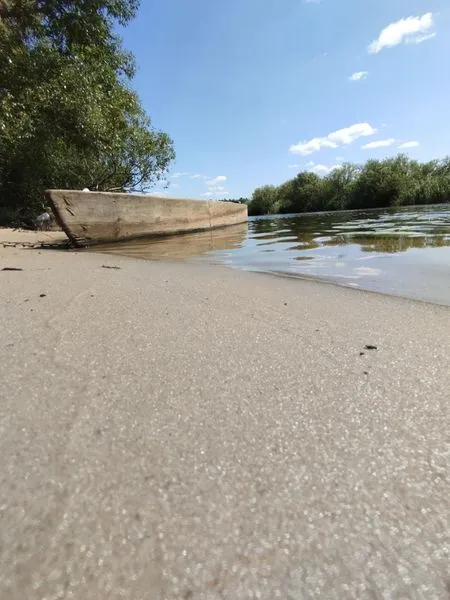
(95,217)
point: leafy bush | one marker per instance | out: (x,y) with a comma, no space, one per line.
(68,117)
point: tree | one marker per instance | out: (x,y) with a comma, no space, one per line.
(377,184)
(338,187)
(430,185)
(383,183)
(286,196)
(68,117)
(306,192)
(264,201)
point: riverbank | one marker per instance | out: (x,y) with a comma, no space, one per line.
(188,431)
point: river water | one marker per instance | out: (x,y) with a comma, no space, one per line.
(404,252)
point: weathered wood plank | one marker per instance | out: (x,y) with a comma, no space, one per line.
(92,217)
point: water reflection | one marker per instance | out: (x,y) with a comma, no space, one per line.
(387,231)
(181,247)
(408,249)
(392,244)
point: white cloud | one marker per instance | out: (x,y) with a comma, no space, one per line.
(174,185)
(217,194)
(342,137)
(379,144)
(314,145)
(360,75)
(159,194)
(346,136)
(413,144)
(322,169)
(178,175)
(422,38)
(215,186)
(293,166)
(412,30)
(216,180)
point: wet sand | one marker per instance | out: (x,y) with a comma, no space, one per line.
(173,431)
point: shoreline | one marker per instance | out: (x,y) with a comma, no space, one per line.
(179,430)
(329,281)
(33,239)
(278,274)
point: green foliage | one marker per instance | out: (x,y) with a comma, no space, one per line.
(338,188)
(303,195)
(391,182)
(264,201)
(68,118)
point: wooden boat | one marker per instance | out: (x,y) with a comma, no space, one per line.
(93,217)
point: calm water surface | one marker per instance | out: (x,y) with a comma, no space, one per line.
(404,252)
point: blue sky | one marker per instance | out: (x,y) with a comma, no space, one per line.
(249,88)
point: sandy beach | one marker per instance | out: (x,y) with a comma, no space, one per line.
(186,431)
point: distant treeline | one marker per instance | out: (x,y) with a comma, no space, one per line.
(397,181)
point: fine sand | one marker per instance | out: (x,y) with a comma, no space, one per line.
(178,431)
